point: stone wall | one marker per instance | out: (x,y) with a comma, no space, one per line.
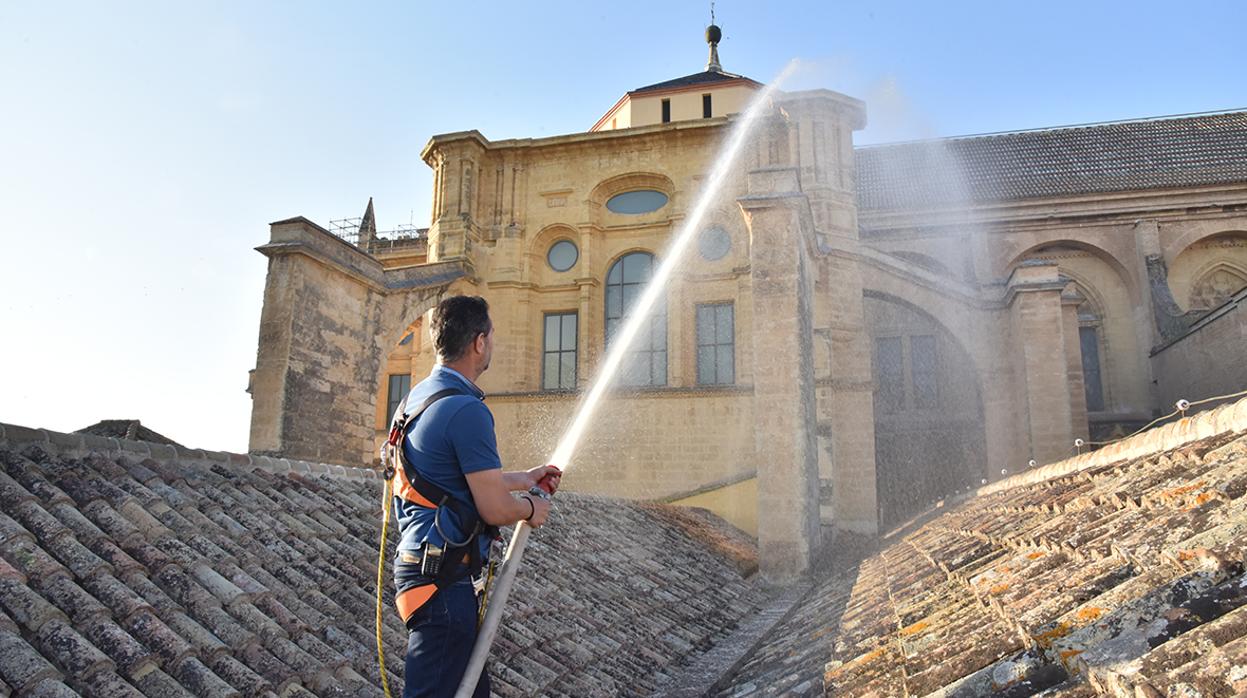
(644,444)
(1209,360)
(330,314)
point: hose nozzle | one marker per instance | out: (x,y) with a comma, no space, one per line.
(544,487)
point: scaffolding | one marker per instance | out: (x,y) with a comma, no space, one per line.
(402,237)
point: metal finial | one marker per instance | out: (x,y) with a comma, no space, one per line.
(713,36)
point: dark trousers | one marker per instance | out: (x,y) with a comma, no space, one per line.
(441,635)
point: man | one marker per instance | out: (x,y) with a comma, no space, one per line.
(450,444)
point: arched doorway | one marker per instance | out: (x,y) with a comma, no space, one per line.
(929,434)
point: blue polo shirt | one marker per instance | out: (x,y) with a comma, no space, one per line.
(454,437)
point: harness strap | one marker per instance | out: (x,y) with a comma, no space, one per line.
(410,486)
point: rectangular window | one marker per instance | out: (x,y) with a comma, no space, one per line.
(666,111)
(400,385)
(705,106)
(716,344)
(558,356)
(924,371)
(1089,340)
(889,375)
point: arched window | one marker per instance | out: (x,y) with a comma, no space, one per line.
(646,362)
(1090,338)
(1215,288)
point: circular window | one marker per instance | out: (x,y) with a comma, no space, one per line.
(563,255)
(714,243)
(635,202)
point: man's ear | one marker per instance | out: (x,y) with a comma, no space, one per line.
(479,343)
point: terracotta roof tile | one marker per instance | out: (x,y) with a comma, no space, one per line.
(1197,150)
(21,666)
(170,578)
(1128,576)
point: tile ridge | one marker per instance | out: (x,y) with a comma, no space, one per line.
(18,437)
(1229,417)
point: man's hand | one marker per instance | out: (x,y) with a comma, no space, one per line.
(535,475)
(523,481)
(541,510)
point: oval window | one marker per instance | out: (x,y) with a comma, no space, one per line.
(639,201)
(562,255)
(714,243)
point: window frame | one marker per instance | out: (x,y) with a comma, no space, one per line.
(1094,329)
(561,350)
(666,110)
(550,251)
(707,109)
(715,307)
(658,319)
(899,404)
(934,372)
(391,402)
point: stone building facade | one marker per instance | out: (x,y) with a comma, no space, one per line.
(857,333)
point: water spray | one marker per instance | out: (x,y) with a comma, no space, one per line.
(606,374)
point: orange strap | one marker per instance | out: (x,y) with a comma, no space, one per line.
(403,488)
(410,601)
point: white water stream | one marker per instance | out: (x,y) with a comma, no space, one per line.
(640,312)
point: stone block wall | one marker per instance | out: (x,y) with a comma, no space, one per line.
(330,314)
(1210,360)
(643,444)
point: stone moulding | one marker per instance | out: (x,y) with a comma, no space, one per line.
(75,445)
(1231,417)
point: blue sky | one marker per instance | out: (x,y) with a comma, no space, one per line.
(144,147)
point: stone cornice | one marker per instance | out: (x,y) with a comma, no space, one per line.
(300,236)
(1098,207)
(657,132)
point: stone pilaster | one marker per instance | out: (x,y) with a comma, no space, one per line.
(785,426)
(458,161)
(1073,360)
(821,126)
(1040,360)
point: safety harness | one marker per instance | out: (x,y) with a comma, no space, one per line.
(411,487)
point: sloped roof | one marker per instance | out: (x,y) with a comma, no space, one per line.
(173,575)
(1123,576)
(706,77)
(130,429)
(1197,150)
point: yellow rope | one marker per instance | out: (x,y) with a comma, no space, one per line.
(385,524)
(489,580)
(1161,419)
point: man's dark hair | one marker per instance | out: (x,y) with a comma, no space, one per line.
(456,323)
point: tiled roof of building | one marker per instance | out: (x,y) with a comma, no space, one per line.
(129,569)
(130,429)
(1197,150)
(1121,579)
(706,77)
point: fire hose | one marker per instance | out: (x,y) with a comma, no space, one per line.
(496,603)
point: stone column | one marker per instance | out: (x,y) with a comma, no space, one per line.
(1040,361)
(821,128)
(1070,301)
(781,233)
(1158,317)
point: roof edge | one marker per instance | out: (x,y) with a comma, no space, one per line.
(1226,418)
(1049,129)
(79,445)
